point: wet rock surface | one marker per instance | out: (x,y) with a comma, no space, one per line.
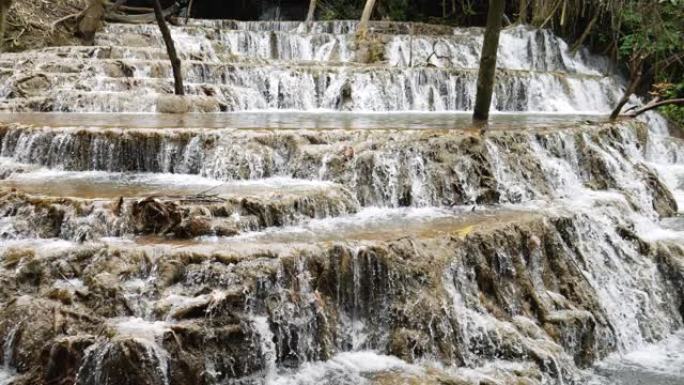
(165,254)
(145,313)
(241,279)
(385,168)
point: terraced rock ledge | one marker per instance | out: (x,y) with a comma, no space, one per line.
(444,250)
(338,247)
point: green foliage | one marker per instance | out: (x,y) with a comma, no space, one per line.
(673,112)
(652,28)
(396,9)
(340,9)
(653,32)
(648,31)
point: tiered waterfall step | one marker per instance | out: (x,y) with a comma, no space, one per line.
(272,66)
(195,249)
(225,249)
(90,205)
(470,287)
(131,85)
(405,44)
(382,167)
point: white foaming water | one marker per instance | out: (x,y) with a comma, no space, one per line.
(6,377)
(267,347)
(135,331)
(101,184)
(149,331)
(155,179)
(370,223)
(290,66)
(660,363)
(8,347)
(538,74)
(350,368)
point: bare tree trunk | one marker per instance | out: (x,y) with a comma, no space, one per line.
(522,12)
(4,10)
(578,44)
(189,11)
(636,66)
(365,17)
(487,73)
(170,48)
(312,11)
(91,21)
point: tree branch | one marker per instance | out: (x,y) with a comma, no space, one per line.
(651,106)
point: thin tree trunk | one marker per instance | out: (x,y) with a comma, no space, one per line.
(550,15)
(365,17)
(585,34)
(312,11)
(635,75)
(91,21)
(170,48)
(4,10)
(522,12)
(189,11)
(625,98)
(487,73)
(651,106)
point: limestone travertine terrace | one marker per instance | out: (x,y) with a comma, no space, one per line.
(338,248)
(236,66)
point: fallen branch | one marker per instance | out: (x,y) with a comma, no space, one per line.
(312,11)
(127,8)
(77,15)
(142,18)
(636,65)
(651,106)
(654,100)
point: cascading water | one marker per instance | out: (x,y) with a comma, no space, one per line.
(332,247)
(281,69)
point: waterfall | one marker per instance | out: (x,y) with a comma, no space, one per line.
(267,347)
(8,347)
(285,66)
(330,222)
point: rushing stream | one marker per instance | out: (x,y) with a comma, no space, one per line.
(319,221)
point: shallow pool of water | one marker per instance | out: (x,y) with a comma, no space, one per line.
(661,363)
(299,120)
